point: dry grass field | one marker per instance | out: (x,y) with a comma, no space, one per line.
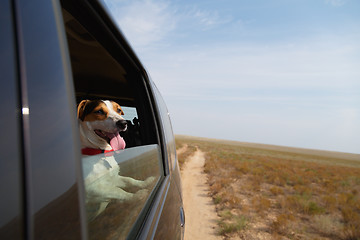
(270,192)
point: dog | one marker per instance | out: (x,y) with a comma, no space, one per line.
(100,122)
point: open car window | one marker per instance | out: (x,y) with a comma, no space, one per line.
(119,183)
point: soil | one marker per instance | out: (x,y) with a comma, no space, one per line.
(201,217)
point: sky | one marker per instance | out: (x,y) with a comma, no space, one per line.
(282,72)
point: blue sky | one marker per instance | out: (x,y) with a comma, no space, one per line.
(283,72)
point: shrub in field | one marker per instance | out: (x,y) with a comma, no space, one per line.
(351,220)
(327,225)
(260,204)
(280,224)
(217,199)
(230,223)
(313,208)
(276,190)
(330,202)
(302,190)
(191,148)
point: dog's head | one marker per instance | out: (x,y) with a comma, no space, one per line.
(100,124)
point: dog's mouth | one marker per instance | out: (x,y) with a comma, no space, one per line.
(114,139)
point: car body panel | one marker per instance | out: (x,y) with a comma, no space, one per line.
(51,145)
(11,182)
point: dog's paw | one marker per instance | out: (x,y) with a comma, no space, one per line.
(141,194)
(149,181)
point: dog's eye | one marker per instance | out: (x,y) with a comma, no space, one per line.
(100,112)
(118,110)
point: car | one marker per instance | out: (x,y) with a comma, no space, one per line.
(54,54)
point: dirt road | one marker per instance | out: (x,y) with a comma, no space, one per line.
(200,211)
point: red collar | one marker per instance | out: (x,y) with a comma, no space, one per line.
(93,151)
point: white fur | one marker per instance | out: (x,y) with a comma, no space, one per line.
(89,139)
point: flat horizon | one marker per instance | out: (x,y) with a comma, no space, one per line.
(308,151)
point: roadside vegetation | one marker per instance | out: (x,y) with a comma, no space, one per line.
(278,194)
(187,151)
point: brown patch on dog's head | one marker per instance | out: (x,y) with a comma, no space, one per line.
(81,109)
(92,110)
(117,108)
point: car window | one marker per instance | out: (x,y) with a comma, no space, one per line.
(120,170)
(119,188)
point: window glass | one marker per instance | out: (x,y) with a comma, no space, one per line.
(117,186)
(132,135)
(122,163)
(130,113)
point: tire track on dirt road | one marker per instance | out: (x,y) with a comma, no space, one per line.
(200,211)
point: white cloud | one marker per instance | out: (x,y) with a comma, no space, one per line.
(254,67)
(207,19)
(143,22)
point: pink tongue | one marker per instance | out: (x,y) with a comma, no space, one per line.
(116,141)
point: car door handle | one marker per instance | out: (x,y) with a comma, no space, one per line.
(182,217)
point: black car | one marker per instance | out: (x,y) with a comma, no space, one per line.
(54,54)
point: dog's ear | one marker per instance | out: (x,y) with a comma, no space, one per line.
(81,108)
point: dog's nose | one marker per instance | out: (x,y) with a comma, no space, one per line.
(122,124)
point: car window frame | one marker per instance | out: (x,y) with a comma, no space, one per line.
(151,212)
